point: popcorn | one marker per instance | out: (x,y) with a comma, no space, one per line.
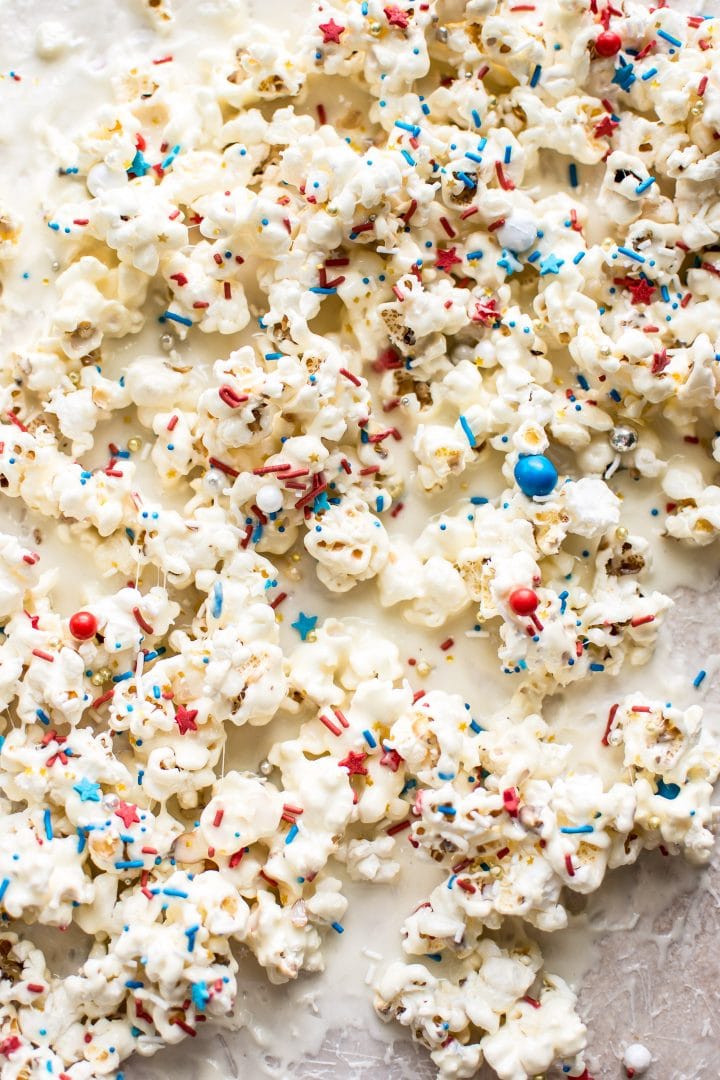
(425,315)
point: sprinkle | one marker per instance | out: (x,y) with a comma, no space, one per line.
(217,605)
(408,157)
(579,257)
(569,866)
(349,375)
(447,644)
(42,716)
(644,185)
(610,722)
(699,678)
(476,118)
(47,823)
(323,291)
(400,826)
(129,864)
(649,74)
(505,182)
(370,739)
(536,75)
(173,317)
(473,256)
(467,430)
(629,254)
(412,128)
(573,174)
(42,655)
(572,829)
(449,810)
(292,833)
(222,467)
(329,725)
(668,37)
(4,888)
(338,928)
(467,181)
(176,893)
(142,621)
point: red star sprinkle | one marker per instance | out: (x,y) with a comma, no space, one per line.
(331,32)
(396,16)
(446,259)
(127,813)
(354,763)
(486,312)
(185,719)
(642,291)
(391,760)
(606,126)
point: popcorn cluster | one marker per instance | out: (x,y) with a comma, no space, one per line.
(427,309)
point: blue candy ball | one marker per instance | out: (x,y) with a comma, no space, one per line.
(535,475)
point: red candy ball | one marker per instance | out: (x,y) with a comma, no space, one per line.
(608,43)
(83,625)
(523,601)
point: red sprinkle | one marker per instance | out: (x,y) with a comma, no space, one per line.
(142,621)
(172,422)
(641,620)
(36,988)
(532,1001)
(349,375)
(102,699)
(42,655)
(163,60)
(278,600)
(447,644)
(329,725)
(610,721)
(447,227)
(227,469)
(505,182)
(217,820)
(399,827)
(569,865)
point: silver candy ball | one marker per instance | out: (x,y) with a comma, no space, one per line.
(166,342)
(265,768)
(623,438)
(110,802)
(214,480)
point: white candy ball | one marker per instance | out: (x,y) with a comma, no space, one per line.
(214,481)
(269,499)
(637,1057)
(518,233)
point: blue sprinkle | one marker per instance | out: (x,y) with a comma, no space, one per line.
(466,180)
(583,383)
(129,864)
(175,892)
(472,256)
(668,37)
(667,791)
(536,75)
(121,678)
(699,678)
(292,833)
(573,174)
(47,821)
(534,257)
(4,887)
(436,956)
(665,293)
(476,118)
(615,395)
(426,109)
(325,292)
(477,158)
(379,504)
(508,155)
(370,739)
(467,430)
(134,984)
(217,599)
(42,716)
(412,128)
(597,667)
(629,254)
(644,185)
(273,356)
(478,500)
(338,928)
(577,829)
(451,881)
(175,318)
(649,74)
(450,810)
